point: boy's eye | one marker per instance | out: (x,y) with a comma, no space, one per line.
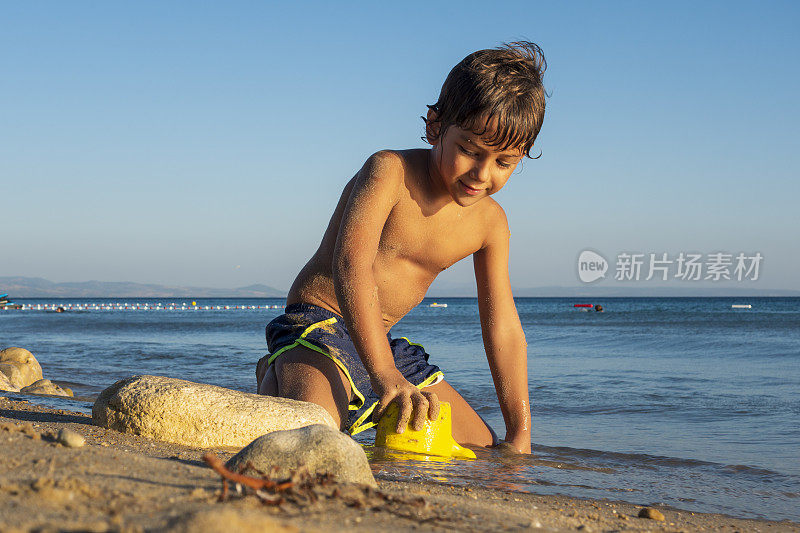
(503,164)
(465,151)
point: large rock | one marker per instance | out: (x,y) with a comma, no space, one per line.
(45,386)
(174,410)
(321,448)
(20,367)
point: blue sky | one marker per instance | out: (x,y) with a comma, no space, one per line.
(207,143)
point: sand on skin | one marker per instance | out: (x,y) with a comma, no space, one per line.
(119,482)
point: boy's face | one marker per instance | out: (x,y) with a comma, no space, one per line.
(470,169)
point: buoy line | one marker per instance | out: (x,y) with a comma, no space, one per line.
(125,306)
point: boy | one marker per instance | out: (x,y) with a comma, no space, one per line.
(405,217)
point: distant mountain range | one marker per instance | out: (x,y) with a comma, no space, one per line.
(22,287)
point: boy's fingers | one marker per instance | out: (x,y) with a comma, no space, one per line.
(377,413)
(406,408)
(433,405)
(420,403)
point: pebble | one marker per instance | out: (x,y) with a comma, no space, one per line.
(70,438)
(652,514)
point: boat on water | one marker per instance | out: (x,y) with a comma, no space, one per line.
(435,304)
(6,303)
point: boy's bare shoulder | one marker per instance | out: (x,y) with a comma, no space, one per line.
(384,164)
(497,213)
(496,222)
(396,163)
(382,174)
(393,170)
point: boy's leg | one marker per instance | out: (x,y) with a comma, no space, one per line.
(306,375)
(468,426)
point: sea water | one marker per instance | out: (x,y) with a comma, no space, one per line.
(685,402)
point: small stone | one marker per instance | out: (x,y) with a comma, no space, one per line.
(320,448)
(45,386)
(70,438)
(652,514)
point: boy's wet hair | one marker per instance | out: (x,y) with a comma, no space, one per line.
(500,87)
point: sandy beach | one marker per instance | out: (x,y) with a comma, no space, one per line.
(119,482)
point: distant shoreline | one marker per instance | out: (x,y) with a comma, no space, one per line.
(25,287)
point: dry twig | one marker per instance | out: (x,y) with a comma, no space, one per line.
(302,488)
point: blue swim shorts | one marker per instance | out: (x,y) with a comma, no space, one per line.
(325,332)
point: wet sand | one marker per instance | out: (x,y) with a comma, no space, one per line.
(118,482)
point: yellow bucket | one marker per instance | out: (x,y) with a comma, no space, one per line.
(436,438)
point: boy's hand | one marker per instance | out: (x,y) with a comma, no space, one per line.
(393,387)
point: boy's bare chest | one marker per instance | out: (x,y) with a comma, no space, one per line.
(434,241)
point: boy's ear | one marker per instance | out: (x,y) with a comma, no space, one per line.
(432,127)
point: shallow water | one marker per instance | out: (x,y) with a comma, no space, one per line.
(679,401)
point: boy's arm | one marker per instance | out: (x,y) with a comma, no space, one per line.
(375,192)
(503,338)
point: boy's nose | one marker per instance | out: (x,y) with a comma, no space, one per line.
(480,173)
